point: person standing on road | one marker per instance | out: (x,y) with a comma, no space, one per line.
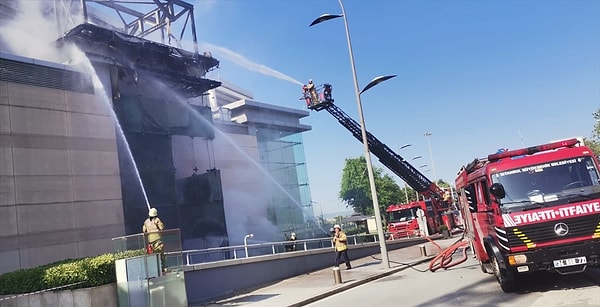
(341,247)
(422,221)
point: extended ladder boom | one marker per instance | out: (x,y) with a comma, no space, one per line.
(387,156)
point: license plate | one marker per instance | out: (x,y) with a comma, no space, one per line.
(569,262)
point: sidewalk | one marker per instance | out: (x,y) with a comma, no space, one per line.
(305,289)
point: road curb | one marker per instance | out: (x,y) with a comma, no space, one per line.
(353,284)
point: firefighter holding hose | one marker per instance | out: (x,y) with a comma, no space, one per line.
(152,227)
(312,90)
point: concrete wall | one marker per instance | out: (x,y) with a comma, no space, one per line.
(208,282)
(60,194)
(105,296)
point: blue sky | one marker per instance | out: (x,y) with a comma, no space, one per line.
(478,75)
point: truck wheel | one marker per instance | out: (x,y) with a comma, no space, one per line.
(506,279)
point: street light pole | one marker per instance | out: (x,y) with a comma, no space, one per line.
(384,255)
(427,135)
(381,236)
(405,185)
(415,158)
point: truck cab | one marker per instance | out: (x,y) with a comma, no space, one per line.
(403,222)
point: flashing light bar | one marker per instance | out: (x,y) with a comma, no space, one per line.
(532,150)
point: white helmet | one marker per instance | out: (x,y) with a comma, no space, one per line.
(152,212)
(337,226)
(309,80)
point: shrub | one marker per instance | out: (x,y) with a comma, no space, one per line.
(65,274)
(101,270)
(86,272)
(22,281)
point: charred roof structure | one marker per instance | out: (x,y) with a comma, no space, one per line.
(133,17)
(138,37)
(182,70)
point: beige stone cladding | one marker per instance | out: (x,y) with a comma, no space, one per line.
(60,190)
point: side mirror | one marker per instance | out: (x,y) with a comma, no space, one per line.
(497,189)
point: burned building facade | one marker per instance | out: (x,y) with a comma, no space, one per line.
(84,153)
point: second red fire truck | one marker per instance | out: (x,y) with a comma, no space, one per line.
(403,219)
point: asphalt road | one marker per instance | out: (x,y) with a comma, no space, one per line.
(466,285)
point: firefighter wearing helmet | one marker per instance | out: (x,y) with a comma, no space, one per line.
(313,91)
(290,247)
(152,228)
(341,247)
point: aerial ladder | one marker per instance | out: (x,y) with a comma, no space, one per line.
(393,162)
(387,156)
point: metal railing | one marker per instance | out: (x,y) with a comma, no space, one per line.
(197,256)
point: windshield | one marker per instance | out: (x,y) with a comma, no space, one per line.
(549,182)
(403,215)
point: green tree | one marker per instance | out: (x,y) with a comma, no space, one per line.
(356,192)
(594,142)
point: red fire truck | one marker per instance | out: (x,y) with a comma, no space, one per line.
(403,219)
(532,209)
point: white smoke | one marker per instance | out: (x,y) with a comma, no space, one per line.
(246,203)
(247,214)
(245,182)
(30,33)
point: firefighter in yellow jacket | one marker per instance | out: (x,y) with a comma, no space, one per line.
(341,247)
(152,227)
(313,92)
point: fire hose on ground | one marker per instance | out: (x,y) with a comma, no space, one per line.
(445,258)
